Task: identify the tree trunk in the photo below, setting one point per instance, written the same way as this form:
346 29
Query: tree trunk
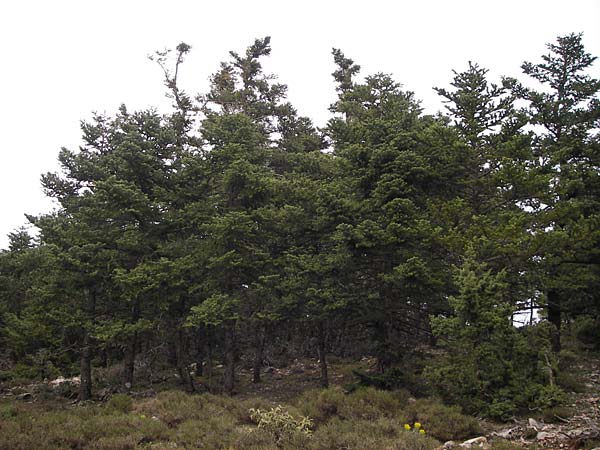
259 344
555 317
229 355
382 341
200 341
130 361
85 384
182 368
131 348
209 362
172 347
322 355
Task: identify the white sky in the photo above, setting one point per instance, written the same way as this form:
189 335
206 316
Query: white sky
61 60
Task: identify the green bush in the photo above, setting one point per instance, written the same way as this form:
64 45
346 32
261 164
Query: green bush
567 360
570 382
8 411
587 331
501 409
121 403
20 372
555 414
392 379
550 396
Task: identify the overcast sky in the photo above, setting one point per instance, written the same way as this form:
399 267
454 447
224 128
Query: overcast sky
61 60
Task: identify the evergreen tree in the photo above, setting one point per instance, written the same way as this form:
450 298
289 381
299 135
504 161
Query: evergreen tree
383 144
488 366
566 161
493 184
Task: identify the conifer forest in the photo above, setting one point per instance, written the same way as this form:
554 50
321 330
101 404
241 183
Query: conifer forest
436 261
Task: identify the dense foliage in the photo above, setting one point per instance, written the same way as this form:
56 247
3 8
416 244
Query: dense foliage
234 230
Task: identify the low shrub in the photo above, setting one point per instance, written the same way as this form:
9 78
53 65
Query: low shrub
243 408
570 382
363 403
371 403
501 409
393 379
587 331
550 396
442 422
556 414
120 402
20 372
173 407
210 432
281 424
8 411
321 404
567 360
382 433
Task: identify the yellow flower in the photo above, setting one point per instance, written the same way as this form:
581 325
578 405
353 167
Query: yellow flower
406 427
417 425
421 431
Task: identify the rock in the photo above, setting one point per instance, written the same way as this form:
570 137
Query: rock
535 424
24 396
62 380
578 432
543 435
448 445
505 434
478 442
57 381
103 394
414 400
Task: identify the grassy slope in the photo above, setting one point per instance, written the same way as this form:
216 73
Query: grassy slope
364 420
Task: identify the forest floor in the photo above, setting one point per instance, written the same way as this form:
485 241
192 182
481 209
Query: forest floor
33 417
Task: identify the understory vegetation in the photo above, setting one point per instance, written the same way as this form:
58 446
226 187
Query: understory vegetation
365 419
208 248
